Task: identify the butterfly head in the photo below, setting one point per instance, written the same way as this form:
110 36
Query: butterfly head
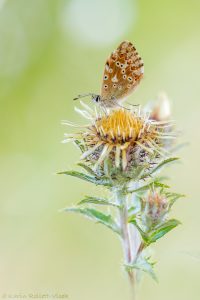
96 98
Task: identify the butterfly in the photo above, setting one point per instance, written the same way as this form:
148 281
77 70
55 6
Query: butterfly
123 71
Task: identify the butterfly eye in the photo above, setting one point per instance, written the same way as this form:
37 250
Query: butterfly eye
97 99
115 85
123 71
106 77
130 79
117 63
121 66
105 86
110 70
124 76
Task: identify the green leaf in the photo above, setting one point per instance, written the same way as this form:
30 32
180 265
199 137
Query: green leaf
162 230
96 216
87 169
97 200
143 234
155 234
160 165
137 172
108 166
173 197
79 145
85 177
144 265
160 184
143 188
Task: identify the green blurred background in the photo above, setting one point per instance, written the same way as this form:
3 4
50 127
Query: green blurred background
50 51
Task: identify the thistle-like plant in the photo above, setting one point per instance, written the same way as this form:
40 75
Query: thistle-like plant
124 151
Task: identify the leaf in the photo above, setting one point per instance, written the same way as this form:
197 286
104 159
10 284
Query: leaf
162 230
85 177
173 197
148 186
160 165
160 184
143 234
107 167
137 172
157 233
79 145
97 216
87 169
144 265
96 200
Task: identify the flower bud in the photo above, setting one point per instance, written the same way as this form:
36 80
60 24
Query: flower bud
155 208
161 111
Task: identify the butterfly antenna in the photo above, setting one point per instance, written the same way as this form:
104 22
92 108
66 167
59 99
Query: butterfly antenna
83 95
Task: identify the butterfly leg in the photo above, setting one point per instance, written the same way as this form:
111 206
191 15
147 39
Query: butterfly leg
133 104
105 109
123 106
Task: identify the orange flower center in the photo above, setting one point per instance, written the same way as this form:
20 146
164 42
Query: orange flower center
120 126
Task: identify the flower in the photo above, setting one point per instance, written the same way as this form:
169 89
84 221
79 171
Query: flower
123 150
126 138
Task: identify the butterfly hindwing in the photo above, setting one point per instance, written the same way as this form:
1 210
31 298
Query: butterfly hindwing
123 71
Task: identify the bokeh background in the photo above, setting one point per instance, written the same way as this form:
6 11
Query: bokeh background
50 51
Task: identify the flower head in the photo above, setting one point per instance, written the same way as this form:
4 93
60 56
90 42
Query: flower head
124 137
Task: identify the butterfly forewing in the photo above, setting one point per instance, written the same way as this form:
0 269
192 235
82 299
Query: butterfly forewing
123 71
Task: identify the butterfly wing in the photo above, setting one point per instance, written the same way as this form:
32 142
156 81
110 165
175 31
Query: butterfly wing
123 71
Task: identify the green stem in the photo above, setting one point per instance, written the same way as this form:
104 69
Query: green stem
126 240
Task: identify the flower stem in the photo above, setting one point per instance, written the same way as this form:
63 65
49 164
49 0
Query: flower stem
126 239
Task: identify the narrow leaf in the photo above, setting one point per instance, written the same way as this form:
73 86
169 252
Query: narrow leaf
97 216
144 265
160 184
91 179
96 200
148 186
160 165
79 145
173 197
133 221
163 229
87 169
